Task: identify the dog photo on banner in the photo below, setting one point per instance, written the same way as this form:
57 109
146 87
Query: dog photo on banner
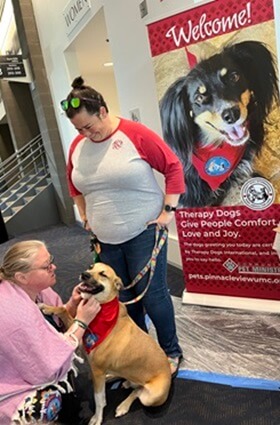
216 71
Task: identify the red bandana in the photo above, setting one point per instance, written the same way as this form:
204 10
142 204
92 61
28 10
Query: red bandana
215 164
101 325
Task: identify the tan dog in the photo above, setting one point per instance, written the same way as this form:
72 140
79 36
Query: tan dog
126 351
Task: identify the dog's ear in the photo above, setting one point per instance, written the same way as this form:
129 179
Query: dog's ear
258 66
177 122
118 283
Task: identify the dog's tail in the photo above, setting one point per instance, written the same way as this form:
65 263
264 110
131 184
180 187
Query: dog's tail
177 124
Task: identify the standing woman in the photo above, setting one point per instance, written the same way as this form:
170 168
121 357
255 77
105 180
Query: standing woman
111 179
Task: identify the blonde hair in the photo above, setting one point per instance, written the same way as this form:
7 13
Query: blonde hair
18 258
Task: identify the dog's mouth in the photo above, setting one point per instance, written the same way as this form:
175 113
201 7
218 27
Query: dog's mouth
90 285
235 135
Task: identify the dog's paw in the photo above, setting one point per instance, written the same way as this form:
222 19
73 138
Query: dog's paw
95 421
122 409
46 309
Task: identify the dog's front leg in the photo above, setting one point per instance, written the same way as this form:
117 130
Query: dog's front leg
99 396
59 311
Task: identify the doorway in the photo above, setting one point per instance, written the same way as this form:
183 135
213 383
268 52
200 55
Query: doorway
89 55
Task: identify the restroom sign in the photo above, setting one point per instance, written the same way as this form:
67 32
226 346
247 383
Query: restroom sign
74 12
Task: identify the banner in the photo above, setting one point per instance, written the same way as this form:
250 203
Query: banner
217 82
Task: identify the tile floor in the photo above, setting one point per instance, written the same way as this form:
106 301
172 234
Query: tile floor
229 341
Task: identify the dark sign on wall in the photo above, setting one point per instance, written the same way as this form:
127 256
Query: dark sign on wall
11 66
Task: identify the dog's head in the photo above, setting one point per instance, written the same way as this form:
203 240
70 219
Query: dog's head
222 99
219 95
101 282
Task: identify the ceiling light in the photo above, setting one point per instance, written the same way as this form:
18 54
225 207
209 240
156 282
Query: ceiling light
108 64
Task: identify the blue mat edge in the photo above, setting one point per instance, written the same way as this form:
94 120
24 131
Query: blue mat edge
233 381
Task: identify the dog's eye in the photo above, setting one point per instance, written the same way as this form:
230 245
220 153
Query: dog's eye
201 98
234 77
103 274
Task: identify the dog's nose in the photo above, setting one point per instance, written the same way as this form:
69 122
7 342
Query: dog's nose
85 275
231 115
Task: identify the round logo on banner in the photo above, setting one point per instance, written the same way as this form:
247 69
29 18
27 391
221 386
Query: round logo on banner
217 166
257 193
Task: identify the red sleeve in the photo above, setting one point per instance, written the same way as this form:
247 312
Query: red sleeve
73 191
158 154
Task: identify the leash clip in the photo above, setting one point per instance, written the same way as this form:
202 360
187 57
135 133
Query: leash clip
95 248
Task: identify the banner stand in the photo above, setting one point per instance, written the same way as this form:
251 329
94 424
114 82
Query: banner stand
211 91
222 301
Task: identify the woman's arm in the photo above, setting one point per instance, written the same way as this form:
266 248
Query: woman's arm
165 217
85 313
79 200
37 351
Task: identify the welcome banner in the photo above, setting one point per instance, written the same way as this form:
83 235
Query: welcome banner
217 81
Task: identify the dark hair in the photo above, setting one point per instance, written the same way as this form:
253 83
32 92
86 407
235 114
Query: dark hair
90 99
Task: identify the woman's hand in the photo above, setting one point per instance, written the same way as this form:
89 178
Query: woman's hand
86 225
87 310
74 300
164 219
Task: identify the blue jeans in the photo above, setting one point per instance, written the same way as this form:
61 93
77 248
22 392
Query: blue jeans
127 259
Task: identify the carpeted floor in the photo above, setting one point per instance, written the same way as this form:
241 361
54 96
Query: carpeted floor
190 402
200 403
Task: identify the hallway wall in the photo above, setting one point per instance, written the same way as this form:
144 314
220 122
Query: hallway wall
6 143
18 103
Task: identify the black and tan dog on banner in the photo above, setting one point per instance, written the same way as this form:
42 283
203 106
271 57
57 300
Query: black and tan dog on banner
214 117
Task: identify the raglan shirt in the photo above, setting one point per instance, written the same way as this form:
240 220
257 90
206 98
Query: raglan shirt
117 180
32 353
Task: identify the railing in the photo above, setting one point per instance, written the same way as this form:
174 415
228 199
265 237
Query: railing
27 161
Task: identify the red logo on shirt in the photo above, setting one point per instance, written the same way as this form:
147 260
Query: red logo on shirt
117 144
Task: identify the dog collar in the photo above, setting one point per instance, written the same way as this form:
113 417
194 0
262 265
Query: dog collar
215 165
101 325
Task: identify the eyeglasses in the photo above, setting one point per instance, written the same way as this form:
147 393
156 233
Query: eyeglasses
48 267
75 102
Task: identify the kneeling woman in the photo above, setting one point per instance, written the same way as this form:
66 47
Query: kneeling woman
35 357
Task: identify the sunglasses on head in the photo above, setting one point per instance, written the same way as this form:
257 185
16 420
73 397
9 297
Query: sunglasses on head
75 102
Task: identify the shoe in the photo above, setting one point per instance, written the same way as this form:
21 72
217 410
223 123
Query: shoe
174 365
